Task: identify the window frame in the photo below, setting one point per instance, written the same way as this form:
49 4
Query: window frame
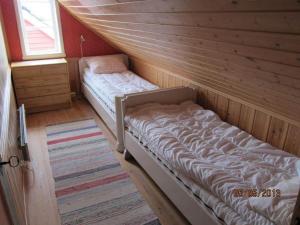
21 30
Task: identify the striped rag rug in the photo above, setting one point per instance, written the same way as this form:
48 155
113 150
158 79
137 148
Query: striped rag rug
90 185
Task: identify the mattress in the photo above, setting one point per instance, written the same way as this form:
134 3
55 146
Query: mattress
215 159
108 86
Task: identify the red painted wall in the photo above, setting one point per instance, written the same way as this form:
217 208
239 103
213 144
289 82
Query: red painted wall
71 30
11 29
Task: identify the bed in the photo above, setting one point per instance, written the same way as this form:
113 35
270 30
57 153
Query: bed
213 172
104 82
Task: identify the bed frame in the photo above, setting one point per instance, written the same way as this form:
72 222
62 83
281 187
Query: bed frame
185 201
191 207
109 118
296 214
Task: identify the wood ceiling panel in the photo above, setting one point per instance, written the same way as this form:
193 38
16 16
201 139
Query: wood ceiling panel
227 68
88 3
285 21
150 6
249 50
211 47
287 42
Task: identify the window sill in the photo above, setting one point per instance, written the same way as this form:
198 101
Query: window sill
51 56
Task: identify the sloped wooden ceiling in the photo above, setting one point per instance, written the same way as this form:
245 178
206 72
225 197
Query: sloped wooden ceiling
249 49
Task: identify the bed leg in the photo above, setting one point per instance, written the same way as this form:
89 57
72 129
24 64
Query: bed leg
127 155
120 147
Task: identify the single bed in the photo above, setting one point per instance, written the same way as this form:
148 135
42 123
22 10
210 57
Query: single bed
107 84
211 170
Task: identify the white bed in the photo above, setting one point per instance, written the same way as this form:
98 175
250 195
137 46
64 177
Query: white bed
105 90
190 152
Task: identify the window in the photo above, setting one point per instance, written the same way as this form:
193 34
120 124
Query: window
39 29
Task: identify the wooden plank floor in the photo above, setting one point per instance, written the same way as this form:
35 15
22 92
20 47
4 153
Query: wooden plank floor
40 197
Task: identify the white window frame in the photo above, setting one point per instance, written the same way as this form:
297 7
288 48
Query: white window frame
21 30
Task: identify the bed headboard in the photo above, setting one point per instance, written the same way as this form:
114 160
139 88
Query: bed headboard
174 95
83 63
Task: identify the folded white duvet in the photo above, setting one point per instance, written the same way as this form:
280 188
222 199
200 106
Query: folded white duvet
108 86
218 157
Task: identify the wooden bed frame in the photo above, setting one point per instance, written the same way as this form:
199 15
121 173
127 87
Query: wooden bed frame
109 118
296 214
185 201
191 207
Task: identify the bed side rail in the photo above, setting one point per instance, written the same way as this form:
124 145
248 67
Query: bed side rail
296 214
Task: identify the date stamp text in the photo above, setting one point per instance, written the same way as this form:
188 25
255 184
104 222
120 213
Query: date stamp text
253 192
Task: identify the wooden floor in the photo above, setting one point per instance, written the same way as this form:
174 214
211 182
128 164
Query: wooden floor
40 197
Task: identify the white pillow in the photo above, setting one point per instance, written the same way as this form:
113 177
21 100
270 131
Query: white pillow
278 208
107 64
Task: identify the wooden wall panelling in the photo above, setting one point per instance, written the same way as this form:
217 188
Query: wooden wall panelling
261 77
246 118
4 213
262 83
149 74
285 21
267 40
14 175
233 113
11 178
261 125
222 107
178 82
210 48
277 132
211 101
166 79
186 83
139 6
171 81
201 96
160 79
292 143
163 78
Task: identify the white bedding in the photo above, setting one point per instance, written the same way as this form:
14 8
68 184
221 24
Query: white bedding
108 86
210 154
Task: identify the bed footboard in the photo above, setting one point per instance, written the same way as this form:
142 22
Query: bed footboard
119 124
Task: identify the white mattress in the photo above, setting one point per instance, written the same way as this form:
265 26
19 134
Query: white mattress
108 86
213 158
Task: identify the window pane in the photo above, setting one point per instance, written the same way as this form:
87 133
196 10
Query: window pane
40 27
